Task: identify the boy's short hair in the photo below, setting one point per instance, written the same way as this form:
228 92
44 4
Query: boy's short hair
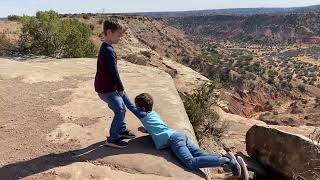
145 101
113 25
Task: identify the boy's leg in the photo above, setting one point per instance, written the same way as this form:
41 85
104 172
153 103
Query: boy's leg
178 144
116 104
196 151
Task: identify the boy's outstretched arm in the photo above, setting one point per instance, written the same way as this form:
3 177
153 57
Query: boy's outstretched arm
133 108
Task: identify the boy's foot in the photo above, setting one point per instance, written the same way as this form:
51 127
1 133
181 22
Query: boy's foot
127 134
233 164
243 168
118 143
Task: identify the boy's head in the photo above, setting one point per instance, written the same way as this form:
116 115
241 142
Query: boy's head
144 102
113 31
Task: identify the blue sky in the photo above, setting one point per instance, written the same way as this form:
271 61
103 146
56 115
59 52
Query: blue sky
75 6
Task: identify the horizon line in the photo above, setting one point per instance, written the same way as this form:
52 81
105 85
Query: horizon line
171 11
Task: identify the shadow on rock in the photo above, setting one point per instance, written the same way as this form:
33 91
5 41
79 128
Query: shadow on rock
91 153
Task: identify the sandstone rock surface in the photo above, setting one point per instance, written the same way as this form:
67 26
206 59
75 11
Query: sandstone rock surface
53 124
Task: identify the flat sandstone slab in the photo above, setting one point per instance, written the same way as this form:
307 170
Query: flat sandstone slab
66 139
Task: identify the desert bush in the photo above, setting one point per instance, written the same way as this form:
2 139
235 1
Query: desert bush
4 41
136 59
289 77
246 58
254 68
251 86
199 106
315 136
100 21
269 104
304 101
153 47
91 26
272 73
146 53
46 34
265 117
85 16
285 85
13 18
5 44
302 88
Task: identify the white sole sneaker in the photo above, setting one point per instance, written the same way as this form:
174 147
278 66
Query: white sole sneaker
232 156
244 169
117 144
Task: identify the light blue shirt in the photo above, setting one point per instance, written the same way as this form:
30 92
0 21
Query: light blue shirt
153 123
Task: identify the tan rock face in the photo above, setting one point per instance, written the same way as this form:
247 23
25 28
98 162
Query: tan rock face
83 170
293 156
51 119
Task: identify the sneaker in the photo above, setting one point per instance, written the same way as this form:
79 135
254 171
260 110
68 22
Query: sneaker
233 164
127 134
243 167
118 143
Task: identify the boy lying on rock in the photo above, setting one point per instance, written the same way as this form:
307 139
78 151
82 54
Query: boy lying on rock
164 137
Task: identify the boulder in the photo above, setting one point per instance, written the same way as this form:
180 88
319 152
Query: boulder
290 155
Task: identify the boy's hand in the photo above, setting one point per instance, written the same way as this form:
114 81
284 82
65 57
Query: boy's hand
142 129
121 93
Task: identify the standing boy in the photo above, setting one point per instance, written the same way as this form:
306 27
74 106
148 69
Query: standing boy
108 84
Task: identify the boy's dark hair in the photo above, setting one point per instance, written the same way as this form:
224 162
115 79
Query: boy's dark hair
145 101
112 25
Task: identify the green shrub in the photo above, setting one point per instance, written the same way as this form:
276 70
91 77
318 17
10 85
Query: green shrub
46 34
269 104
5 44
199 106
136 59
272 73
13 18
3 41
85 16
302 87
91 26
247 58
146 53
254 68
100 21
153 47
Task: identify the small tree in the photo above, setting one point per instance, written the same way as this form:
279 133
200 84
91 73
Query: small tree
85 16
199 109
46 34
13 18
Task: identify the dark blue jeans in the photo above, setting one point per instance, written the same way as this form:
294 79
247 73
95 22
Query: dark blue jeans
116 104
191 155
